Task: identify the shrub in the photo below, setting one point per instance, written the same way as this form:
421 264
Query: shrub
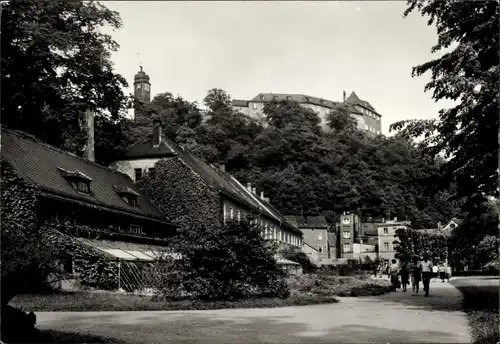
26 258
299 257
230 262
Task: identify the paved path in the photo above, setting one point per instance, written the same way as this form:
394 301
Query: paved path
392 318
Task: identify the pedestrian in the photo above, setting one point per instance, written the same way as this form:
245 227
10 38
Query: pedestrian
416 275
404 272
442 272
448 273
394 273
427 269
434 273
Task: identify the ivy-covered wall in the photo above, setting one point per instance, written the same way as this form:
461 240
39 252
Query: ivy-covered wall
19 230
182 195
92 267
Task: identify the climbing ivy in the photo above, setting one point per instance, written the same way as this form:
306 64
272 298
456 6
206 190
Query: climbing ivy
182 195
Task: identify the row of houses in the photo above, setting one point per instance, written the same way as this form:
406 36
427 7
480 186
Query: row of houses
108 199
351 238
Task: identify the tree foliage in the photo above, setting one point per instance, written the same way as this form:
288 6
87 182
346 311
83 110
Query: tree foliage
229 262
55 63
466 133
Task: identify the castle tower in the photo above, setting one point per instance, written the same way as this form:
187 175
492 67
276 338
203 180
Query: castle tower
142 86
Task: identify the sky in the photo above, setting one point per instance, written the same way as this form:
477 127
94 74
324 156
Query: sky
314 48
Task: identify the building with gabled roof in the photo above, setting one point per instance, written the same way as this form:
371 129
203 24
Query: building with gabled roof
367 118
201 194
128 226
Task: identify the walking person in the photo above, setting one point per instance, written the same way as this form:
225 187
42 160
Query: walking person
448 273
416 275
405 272
427 269
394 273
434 273
442 271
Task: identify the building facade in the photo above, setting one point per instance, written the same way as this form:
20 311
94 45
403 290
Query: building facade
315 233
387 240
367 118
186 177
120 223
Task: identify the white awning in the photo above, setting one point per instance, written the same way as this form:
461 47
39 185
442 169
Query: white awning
118 253
140 255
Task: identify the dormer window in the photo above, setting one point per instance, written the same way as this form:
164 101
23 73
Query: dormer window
261 97
128 195
78 180
275 98
289 98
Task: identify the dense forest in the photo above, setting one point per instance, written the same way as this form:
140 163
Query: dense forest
301 168
54 69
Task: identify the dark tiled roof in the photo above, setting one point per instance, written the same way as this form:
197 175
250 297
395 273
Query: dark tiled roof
227 185
146 150
240 103
299 98
355 100
307 221
41 163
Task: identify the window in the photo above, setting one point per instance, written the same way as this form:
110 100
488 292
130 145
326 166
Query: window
347 247
386 246
68 265
138 174
346 234
320 236
386 230
261 97
136 229
346 221
130 199
366 126
254 106
231 213
146 87
308 99
81 186
320 248
288 98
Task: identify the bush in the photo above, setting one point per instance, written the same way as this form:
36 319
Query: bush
26 258
299 257
226 263
328 285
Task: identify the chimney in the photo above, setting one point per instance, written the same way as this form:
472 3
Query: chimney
222 167
254 190
383 220
89 122
395 219
156 133
249 187
266 199
262 195
343 94
439 225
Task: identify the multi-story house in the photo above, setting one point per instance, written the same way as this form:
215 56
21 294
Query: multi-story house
196 186
315 233
348 232
367 118
387 240
128 228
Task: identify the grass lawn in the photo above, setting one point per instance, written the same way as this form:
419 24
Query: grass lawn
481 304
305 290
88 302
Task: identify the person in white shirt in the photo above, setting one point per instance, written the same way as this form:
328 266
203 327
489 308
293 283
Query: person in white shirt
448 272
434 273
426 274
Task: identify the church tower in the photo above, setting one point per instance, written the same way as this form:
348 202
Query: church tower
142 87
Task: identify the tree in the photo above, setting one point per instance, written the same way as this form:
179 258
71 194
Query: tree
229 262
55 62
466 133
340 119
218 100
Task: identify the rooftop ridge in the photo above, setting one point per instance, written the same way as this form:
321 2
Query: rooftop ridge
54 148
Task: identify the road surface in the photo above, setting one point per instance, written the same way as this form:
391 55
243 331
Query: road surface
393 318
